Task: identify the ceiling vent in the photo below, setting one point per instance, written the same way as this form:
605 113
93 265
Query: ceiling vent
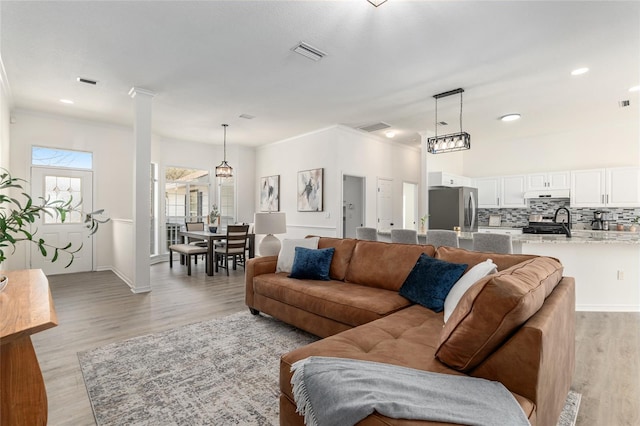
87 81
624 103
308 51
375 127
247 116
442 123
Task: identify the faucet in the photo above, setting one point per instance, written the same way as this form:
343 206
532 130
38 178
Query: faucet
565 227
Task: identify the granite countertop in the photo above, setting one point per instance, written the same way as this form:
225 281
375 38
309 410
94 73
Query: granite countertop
578 237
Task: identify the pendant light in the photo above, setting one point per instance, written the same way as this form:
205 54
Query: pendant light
224 169
453 142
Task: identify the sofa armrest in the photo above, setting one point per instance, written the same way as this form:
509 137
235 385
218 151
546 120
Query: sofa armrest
538 361
257 266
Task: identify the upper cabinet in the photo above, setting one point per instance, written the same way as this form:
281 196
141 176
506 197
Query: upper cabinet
447 179
513 188
501 191
552 180
615 187
488 191
623 187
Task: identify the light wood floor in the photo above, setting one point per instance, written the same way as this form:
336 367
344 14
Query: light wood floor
97 308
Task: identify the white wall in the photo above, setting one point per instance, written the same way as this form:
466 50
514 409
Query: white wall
596 145
113 170
4 118
339 150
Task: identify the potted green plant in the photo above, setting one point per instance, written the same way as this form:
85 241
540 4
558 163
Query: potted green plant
423 222
634 224
214 218
18 214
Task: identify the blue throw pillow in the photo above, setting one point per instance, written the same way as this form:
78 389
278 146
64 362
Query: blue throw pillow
430 281
312 264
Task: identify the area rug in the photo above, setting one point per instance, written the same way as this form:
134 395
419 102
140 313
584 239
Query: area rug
219 372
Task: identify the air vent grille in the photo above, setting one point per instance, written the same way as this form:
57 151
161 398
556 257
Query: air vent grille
374 127
309 51
87 81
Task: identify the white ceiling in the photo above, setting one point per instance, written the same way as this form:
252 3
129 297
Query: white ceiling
211 61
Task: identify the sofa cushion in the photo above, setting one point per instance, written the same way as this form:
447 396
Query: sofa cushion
341 257
384 265
493 309
346 303
470 277
472 258
430 280
287 251
312 264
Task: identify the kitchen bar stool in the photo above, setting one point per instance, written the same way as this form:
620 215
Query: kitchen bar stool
442 237
364 233
404 236
495 243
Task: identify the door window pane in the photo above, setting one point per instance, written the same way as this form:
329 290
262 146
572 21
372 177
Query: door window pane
41 156
64 188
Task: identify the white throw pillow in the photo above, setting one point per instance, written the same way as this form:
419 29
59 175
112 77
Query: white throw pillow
461 286
288 251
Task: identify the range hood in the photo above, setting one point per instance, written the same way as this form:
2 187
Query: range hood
548 193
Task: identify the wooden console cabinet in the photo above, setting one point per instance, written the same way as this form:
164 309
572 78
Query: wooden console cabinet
26 308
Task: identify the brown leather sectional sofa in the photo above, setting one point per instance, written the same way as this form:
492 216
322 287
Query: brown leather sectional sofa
515 327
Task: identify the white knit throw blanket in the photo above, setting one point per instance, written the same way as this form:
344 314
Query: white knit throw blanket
338 391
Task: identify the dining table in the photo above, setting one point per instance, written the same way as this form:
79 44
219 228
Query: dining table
211 238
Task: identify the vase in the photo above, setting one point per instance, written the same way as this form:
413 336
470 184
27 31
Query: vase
4 280
632 228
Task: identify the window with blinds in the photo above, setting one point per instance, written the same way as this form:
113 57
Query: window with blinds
227 200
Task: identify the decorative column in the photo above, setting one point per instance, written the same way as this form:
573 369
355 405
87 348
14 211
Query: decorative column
141 197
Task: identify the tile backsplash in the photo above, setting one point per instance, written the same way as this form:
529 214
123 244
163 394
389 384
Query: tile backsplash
580 217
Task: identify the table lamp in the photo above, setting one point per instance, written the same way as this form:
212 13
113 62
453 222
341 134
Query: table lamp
269 224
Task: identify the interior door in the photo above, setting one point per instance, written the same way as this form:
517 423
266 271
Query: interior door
353 202
385 204
60 184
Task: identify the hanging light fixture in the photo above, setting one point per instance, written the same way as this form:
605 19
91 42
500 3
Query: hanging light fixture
224 169
451 142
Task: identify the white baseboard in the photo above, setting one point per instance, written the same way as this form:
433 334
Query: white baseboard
608 308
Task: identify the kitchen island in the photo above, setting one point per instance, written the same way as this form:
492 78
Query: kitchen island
605 264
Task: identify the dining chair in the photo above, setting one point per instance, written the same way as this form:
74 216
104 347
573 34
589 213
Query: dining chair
495 243
364 233
195 226
235 248
404 236
186 251
442 237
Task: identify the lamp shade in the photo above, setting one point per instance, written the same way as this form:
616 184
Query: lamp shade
270 223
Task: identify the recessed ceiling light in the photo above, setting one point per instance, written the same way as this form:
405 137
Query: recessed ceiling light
510 117
66 101
635 89
580 71
390 134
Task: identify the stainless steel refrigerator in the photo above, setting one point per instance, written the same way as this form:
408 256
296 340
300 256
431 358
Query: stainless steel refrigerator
450 207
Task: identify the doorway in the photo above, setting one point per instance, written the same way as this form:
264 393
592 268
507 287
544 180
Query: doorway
409 205
385 204
61 184
353 202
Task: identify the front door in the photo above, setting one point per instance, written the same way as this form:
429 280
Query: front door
60 184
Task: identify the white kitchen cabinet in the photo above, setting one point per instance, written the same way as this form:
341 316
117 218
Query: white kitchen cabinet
513 191
501 191
548 180
488 191
614 187
623 187
447 179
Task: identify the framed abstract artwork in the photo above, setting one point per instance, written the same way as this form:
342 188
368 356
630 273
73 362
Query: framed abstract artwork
270 194
310 185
